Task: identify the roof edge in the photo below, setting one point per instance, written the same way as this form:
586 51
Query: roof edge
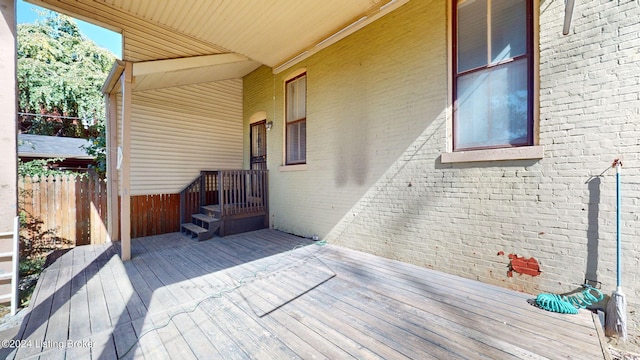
113 77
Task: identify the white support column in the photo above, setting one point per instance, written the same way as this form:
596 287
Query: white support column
125 206
15 271
111 134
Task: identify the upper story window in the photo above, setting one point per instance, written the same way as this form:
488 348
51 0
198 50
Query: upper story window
296 117
492 74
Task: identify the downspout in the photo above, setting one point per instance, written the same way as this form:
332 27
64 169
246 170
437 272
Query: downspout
568 14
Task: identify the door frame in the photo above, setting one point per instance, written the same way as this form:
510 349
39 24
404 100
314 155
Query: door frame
263 144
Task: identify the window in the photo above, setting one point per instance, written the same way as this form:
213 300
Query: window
492 74
296 129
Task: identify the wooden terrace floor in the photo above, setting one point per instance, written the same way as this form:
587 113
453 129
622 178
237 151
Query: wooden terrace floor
254 296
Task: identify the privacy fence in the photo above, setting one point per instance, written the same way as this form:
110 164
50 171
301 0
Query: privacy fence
64 208
74 210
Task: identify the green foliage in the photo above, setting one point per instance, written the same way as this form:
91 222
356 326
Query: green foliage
30 269
60 71
41 167
44 168
31 266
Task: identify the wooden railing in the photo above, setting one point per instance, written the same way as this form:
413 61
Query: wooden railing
243 192
192 197
238 192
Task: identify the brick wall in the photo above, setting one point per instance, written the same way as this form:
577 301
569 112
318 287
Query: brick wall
377 126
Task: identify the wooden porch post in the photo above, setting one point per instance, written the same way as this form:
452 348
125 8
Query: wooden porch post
125 209
111 129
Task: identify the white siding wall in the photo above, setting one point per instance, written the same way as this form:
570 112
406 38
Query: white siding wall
176 132
377 126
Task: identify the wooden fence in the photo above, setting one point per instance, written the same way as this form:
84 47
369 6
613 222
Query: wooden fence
154 214
65 207
74 210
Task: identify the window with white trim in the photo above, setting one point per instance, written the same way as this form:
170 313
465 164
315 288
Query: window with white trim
492 74
296 118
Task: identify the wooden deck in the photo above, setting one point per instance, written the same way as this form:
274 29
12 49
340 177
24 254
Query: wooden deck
253 295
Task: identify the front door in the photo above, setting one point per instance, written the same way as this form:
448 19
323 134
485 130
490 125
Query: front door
258 133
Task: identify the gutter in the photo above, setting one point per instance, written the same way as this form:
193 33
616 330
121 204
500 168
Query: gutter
48 156
113 78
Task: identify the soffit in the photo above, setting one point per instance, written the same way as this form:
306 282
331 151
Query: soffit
192 70
269 32
149 75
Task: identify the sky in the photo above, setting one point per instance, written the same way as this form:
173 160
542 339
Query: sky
110 40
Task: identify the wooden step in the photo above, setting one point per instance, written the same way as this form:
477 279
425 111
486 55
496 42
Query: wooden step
4 255
204 219
211 210
201 231
194 231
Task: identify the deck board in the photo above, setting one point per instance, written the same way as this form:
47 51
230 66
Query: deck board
79 321
268 295
516 321
449 312
98 309
172 339
40 311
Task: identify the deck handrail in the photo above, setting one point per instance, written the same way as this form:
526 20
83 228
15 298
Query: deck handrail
192 196
243 192
238 192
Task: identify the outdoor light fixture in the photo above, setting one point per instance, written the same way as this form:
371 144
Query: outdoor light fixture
269 125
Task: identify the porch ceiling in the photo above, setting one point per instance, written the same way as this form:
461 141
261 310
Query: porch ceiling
270 32
176 72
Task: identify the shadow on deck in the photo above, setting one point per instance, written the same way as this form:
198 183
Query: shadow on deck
265 294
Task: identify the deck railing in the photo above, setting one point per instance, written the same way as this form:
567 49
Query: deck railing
238 192
203 190
243 192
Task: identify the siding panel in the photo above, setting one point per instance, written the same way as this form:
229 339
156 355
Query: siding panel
176 132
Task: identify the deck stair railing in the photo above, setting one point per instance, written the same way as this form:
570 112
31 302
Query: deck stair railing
216 197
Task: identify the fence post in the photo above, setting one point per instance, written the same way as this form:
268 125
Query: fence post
182 205
221 194
203 189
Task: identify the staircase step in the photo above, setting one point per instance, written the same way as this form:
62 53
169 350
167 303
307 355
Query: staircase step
211 210
194 231
194 228
204 218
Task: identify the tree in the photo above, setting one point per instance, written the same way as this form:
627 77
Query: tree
60 75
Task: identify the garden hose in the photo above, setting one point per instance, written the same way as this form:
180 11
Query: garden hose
569 304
